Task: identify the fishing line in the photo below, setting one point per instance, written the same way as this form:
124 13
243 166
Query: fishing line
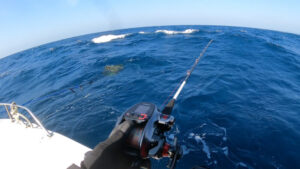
81 86
182 83
61 92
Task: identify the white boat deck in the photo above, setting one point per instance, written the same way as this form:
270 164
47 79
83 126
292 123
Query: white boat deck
22 148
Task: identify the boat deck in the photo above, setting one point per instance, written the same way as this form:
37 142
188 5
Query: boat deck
22 147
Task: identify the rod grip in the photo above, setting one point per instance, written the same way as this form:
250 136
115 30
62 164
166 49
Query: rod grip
169 107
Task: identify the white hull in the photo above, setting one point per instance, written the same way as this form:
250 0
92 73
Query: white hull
22 148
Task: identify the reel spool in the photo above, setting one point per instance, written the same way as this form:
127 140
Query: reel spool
147 139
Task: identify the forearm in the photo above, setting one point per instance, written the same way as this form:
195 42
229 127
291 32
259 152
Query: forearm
110 153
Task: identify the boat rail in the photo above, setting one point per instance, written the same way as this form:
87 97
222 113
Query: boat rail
14 115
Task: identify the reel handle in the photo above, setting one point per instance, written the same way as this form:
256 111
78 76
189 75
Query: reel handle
176 155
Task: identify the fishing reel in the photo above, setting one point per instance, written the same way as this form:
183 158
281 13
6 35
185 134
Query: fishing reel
147 139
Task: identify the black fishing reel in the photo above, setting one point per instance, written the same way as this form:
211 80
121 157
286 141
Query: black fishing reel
147 139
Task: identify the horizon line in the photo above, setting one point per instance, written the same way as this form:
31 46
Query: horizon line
119 29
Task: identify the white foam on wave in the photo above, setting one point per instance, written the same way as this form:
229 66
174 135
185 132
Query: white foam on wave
166 32
185 150
4 74
142 32
171 136
225 150
170 32
191 135
224 130
205 146
86 96
241 164
108 38
190 31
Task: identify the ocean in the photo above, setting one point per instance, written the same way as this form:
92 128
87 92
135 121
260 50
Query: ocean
239 109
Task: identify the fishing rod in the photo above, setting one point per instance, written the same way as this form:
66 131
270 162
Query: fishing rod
168 109
147 139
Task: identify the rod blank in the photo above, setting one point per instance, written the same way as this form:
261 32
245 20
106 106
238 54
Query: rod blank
170 105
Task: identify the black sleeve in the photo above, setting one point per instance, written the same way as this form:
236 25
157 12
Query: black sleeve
110 153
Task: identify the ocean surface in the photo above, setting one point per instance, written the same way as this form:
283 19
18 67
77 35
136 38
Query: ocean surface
239 109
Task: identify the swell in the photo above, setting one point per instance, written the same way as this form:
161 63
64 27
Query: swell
241 99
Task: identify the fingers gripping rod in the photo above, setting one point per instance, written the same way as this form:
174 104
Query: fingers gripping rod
170 105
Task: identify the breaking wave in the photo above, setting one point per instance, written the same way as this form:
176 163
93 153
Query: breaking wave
108 38
170 32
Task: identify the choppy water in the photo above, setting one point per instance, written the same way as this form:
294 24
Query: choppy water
240 108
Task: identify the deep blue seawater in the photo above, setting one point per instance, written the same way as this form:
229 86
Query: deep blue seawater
239 109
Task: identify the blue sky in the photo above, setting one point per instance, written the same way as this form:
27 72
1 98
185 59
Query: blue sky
29 23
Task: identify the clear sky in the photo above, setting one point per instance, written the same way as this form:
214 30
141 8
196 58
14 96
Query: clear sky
29 23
